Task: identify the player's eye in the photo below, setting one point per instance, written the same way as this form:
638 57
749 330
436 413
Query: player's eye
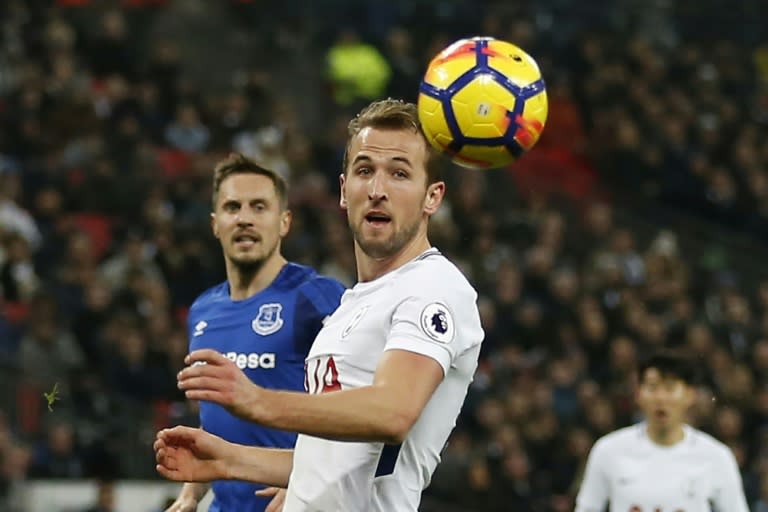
364 171
231 206
401 174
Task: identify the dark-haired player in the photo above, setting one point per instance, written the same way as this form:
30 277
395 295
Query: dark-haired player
662 464
264 317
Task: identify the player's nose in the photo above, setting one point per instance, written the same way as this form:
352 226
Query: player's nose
244 217
376 190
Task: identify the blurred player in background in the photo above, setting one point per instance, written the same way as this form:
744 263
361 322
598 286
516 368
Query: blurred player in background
390 369
662 464
262 319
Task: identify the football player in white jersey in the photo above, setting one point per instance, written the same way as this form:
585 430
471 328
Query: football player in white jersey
387 374
662 464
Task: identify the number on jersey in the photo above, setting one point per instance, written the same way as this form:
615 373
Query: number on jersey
321 376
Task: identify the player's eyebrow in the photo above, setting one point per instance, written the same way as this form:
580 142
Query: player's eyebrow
247 200
366 158
362 158
403 160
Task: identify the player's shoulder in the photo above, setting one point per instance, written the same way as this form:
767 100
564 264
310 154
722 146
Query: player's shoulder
433 271
619 439
704 442
312 283
213 295
322 291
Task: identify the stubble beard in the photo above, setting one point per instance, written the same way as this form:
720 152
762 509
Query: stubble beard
384 248
248 268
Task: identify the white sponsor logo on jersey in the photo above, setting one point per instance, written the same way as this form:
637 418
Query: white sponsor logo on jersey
253 360
199 328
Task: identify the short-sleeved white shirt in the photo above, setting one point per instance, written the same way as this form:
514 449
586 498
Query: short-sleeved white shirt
428 307
633 474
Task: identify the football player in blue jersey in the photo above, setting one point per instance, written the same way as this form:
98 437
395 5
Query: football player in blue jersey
264 317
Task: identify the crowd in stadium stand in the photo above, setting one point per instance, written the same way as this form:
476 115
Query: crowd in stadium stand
112 120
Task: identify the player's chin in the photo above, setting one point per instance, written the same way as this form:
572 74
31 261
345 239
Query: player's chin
380 236
377 248
246 258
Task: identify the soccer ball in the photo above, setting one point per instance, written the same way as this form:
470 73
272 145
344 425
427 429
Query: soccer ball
482 102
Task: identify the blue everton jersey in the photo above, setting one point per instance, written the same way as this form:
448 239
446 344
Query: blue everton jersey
268 337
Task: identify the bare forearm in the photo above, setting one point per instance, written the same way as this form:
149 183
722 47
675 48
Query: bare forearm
195 490
267 466
364 414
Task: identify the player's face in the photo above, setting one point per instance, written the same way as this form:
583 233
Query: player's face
664 400
248 220
385 191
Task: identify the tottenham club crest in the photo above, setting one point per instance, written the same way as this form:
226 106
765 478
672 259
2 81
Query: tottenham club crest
437 322
355 320
268 320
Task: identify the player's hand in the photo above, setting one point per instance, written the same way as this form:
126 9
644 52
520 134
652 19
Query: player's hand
278 500
219 380
187 454
183 504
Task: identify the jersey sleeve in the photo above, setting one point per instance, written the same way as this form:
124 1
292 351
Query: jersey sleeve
594 492
441 326
316 300
197 312
729 490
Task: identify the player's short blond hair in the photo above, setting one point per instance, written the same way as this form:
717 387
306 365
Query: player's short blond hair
237 163
392 114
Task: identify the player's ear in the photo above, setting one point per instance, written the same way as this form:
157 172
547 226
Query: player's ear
343 196
285 222
690 395
434 197
214 227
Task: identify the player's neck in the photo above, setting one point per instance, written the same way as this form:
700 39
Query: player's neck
666 436
244 284
369 268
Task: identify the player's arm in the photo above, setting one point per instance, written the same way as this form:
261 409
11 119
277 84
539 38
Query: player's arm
384 411
729 493
189 497
594 492
187 454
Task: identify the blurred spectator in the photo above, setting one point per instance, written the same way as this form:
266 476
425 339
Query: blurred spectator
58 456
110 50
18 280
406 69
14 218
187 132
357 71
13 466
131 375
48 352
105 497
135 255
761 505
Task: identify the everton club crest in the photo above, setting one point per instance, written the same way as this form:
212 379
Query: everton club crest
268 320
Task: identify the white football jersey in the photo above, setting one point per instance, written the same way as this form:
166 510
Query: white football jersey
427 307
634 474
